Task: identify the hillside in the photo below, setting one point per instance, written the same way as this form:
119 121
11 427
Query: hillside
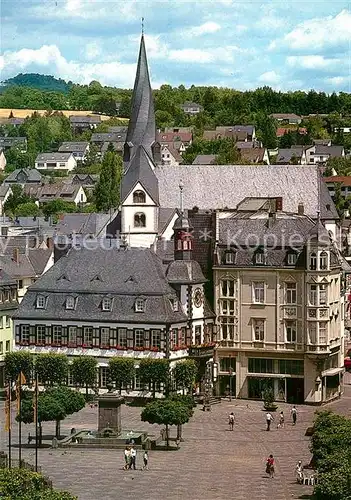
40 82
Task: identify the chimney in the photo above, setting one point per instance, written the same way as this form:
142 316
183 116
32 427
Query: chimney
16 255
271 219
300 209
279 204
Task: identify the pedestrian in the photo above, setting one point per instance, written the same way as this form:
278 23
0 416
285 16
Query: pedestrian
126 458
294 414
269 420
146 460
299 472
231 421
270 466
133 454
281 420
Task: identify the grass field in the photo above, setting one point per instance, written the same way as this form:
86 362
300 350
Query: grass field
23 113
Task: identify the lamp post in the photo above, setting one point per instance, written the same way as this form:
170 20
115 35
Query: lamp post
230 377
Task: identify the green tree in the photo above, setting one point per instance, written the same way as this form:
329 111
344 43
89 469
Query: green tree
15 199
228 153
55 207
28 209
185 374
121 371
22 484
108 187
154 371
83 370
166 412
17 362
266 131
52 368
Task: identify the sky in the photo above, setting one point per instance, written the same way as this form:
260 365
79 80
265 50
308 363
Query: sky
285 44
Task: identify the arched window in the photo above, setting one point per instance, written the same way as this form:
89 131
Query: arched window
313 261
139 197
139 220
323 261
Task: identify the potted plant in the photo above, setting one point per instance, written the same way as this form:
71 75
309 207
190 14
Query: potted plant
268 400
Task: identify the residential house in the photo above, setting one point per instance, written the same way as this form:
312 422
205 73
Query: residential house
118 129
278 281
241 133
291 156
24 176
55 161
283 130
255 155
81 123
14 122
287 118
179 141
73 193
344 181
118 147
8 304
321 154
248 144
107 302
99 139
322 142
2 160
191 108
78 149
86 180
11 142
5 192
179 129
205 160
170 156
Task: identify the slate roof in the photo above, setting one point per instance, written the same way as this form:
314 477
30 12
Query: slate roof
142 125
285 155
254 155
73 147
224 186
39 258
81 223
169 137
3 190
10 141
123 275
332 151
205 160
164 218
245 144
140 170
31 174
76 119
285 116
108 137
51 191
117 146
22 269
5 279
118 129
186 272
53 156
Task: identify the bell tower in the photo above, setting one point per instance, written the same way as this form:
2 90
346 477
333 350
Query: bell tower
183 238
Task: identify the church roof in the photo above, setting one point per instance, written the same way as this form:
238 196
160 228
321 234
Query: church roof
225 186
140 169
142 126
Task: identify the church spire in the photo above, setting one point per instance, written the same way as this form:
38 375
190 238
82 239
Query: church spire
142 126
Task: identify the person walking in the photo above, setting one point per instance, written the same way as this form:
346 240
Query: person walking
126 458
281 421
293 412
231 421
270 466
146 460
269 420
133 454
299 472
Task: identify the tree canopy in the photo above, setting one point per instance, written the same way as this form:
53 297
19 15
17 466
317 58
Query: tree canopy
185 374
83 371
154 371
17 362
121 371
108 187
52 368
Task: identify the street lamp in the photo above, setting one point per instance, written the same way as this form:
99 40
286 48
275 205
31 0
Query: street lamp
230 377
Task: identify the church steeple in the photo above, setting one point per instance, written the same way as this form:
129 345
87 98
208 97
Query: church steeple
142 125
183 239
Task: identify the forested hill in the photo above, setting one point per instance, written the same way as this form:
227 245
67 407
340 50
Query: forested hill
40 82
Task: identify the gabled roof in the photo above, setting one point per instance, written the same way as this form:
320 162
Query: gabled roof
189 104
169 137
224 186
85 119
205 160
285 155
4 188
140 169
31 174
73 147
5 279
345 180
108 137
255 155
332 151
142 125
53 156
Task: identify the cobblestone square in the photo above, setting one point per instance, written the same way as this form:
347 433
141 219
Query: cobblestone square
212 463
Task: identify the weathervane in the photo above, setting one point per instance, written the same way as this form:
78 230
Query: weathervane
181 187
142 26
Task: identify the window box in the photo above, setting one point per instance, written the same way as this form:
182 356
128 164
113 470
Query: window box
40 342
122 348
24 342
138 348
72 344
104 346
154 349
55 344
87 345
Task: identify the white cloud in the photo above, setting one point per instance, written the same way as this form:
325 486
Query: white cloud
321 32
50 60
269 77
240 28
209 27
311 62
338 81
155 47
270 22
92 50
191 56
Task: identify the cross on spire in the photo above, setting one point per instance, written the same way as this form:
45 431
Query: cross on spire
181 187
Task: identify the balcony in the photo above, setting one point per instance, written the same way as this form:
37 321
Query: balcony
290 312
202 351
317 349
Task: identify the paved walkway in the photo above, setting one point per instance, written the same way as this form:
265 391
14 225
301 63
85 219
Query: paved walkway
212 463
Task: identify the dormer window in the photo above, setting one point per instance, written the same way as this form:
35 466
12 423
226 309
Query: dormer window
106 304
139 220
175 305
229 257
139 197
70 302
260 258
292 258
139 305
41 302
323 261
313 261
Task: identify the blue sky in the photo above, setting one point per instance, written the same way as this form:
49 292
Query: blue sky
285 44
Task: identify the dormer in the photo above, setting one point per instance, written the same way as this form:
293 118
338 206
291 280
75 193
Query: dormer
229 257
139 305
41 301
260 257
291 258
175 305
71 302
106 304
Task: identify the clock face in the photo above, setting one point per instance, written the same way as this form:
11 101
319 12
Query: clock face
198 297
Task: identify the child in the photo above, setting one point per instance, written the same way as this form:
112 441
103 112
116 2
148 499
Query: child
270 466
126 458
231 421
281 420
146 459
